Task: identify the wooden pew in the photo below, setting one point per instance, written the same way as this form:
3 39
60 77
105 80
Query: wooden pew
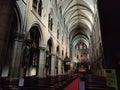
36 83
94 82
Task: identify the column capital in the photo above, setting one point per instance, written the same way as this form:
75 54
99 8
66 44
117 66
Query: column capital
19 36
53 54
59 58
42 48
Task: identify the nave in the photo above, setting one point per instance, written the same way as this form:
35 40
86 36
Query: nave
45 43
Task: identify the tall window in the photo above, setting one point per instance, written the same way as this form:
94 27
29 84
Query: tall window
37 5
81 46
64 21
60 11
57 33
40 7
85 47
62 53
62 37
50 22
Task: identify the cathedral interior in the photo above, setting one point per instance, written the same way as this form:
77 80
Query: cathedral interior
51 43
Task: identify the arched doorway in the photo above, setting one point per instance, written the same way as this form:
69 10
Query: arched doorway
31 53
48 57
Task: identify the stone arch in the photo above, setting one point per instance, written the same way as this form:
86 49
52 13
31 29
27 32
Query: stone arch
31 57
51 19
49 53
41 38
50 45
15 38
19 17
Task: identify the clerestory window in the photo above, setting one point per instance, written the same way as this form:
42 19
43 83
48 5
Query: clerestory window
37 6
50 22
34 5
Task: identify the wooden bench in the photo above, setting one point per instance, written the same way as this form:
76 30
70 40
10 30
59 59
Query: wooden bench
36 83
94 82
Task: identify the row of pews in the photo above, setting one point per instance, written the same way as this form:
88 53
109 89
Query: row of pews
36 83
94 82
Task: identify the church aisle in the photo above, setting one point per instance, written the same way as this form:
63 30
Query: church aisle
73 85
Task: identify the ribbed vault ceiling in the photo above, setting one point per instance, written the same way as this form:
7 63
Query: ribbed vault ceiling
79 17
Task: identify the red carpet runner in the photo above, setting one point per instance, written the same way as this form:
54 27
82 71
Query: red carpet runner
74 85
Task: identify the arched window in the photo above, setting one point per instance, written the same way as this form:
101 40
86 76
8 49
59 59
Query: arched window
85 47
50 20
62 37
49 57
62 52
64 21
80 46
57 33
51 23
40 7
58 50
37 6
60 11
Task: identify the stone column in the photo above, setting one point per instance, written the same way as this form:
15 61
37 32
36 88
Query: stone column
53 58
59 67
6 13
15 65
42 59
